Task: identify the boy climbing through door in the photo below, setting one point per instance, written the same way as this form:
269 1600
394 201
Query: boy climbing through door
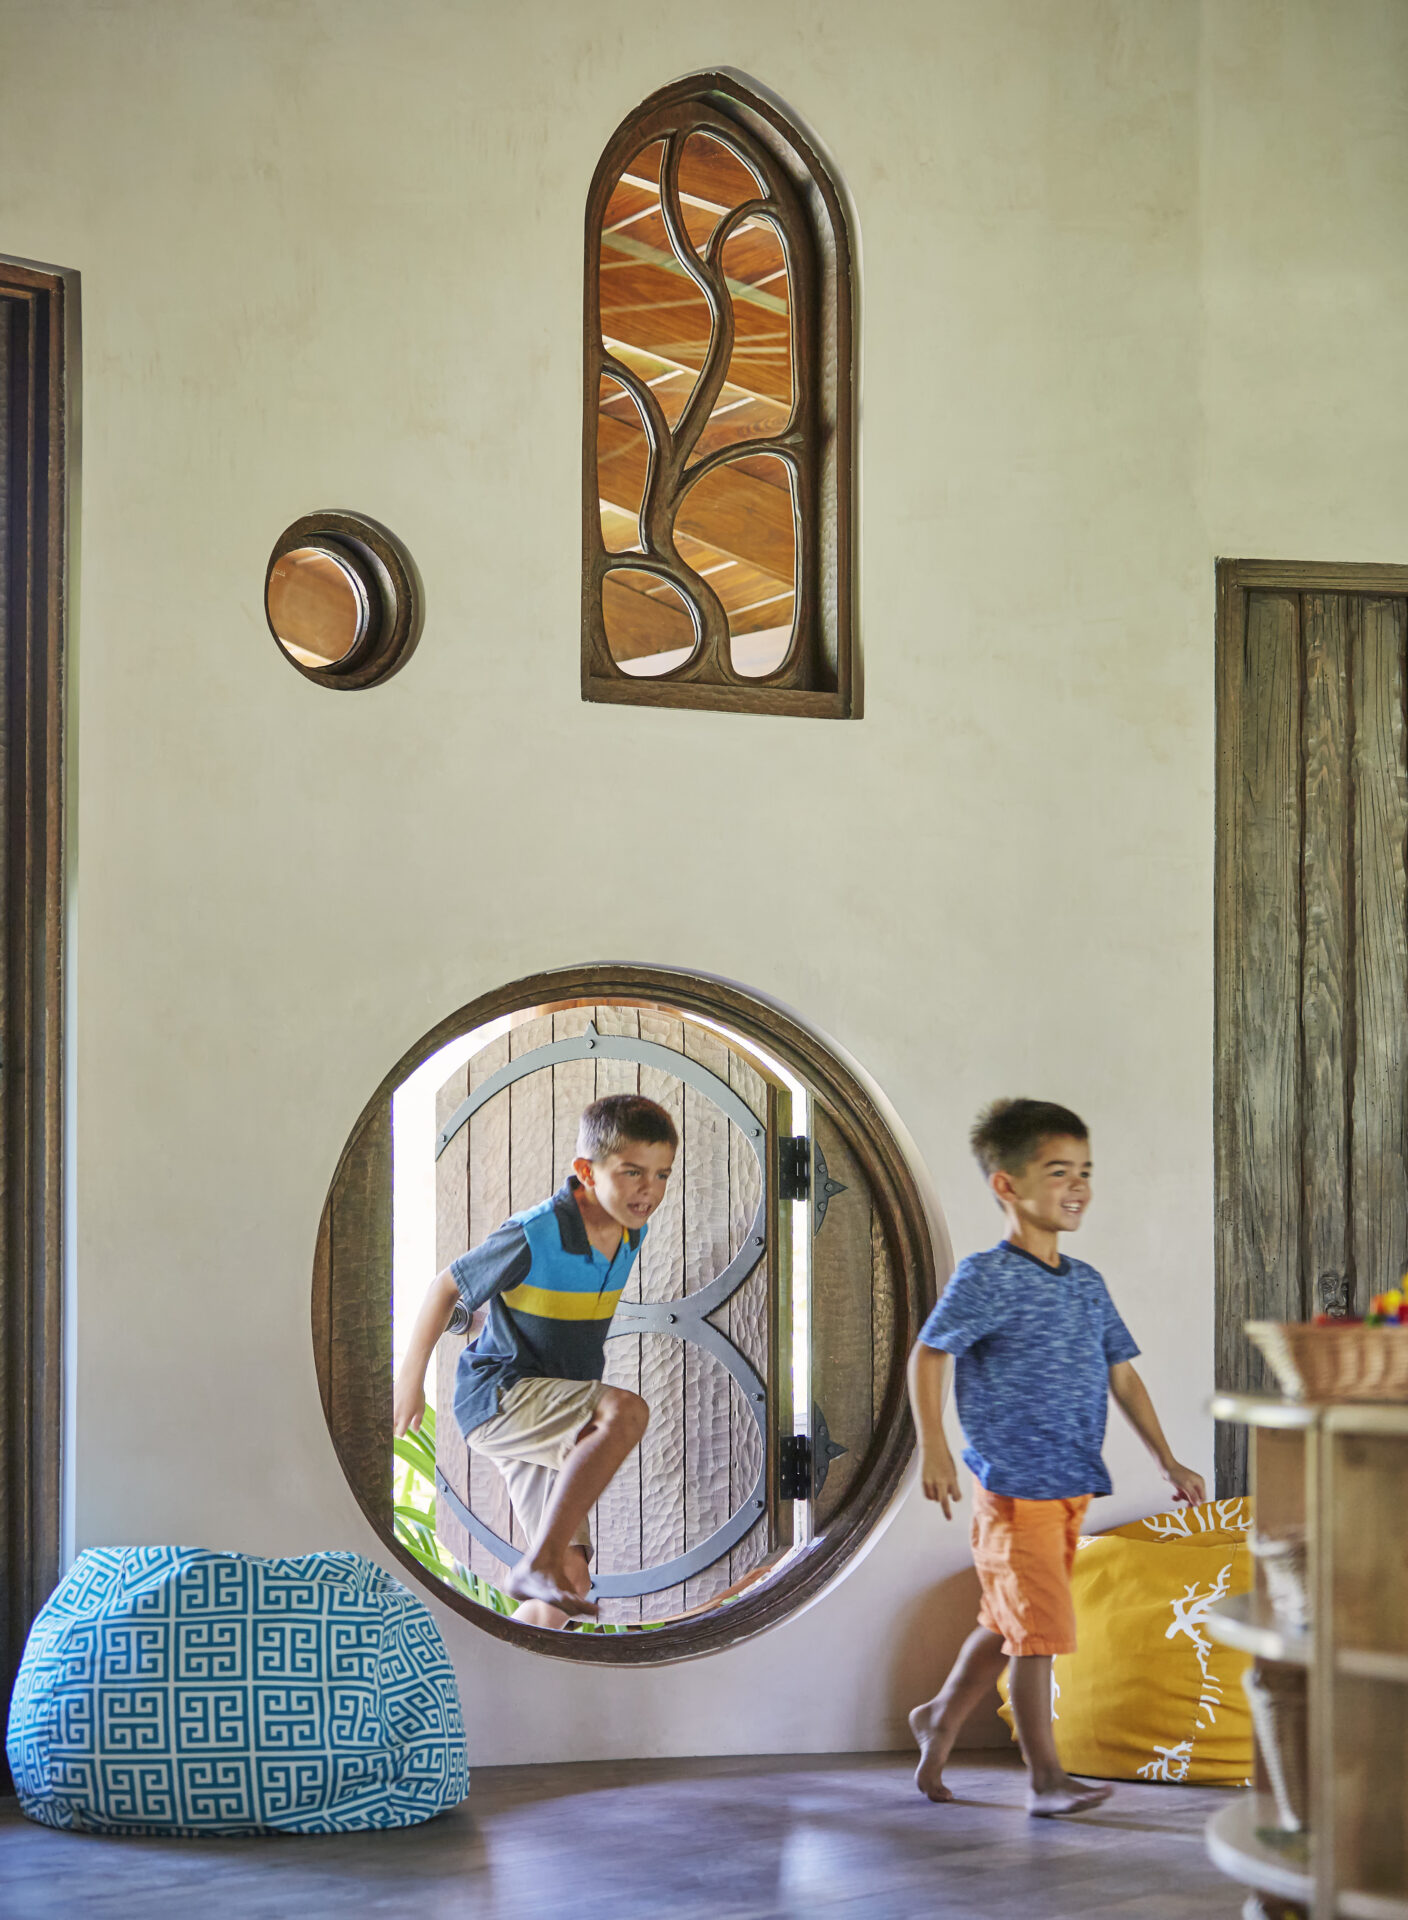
1035 1347
529 1395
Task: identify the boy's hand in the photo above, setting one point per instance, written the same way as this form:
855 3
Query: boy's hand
940 1478
407 1407
1186 1484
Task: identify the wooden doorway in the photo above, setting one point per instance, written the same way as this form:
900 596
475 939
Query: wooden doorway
784 1485
1311 1088
38 375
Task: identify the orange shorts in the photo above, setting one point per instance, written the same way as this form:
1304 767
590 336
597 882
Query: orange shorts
1024 1551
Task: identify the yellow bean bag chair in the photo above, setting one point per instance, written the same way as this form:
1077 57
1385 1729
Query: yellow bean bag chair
1149 1695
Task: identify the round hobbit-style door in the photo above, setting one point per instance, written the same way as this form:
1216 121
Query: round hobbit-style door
765 1323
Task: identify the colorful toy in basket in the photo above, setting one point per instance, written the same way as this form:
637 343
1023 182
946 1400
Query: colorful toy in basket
1385 1310
1388 1309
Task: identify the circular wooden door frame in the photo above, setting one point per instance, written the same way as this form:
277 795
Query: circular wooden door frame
904 1217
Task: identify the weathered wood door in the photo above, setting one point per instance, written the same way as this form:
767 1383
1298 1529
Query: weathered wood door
1312 951
702 1461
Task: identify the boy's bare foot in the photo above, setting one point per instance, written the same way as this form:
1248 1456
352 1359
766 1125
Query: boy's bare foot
1066 1795
933 1752
528 1582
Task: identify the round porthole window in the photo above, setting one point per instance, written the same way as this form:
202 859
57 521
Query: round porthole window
342 599
765 1323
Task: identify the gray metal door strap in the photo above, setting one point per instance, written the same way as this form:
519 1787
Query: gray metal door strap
624 1586
592 1045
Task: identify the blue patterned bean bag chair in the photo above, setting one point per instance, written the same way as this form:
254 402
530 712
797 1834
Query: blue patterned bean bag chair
169 1690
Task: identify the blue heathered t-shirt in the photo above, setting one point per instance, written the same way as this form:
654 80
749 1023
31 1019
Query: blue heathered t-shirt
1033 1346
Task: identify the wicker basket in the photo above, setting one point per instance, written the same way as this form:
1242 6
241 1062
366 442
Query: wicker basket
1336 1362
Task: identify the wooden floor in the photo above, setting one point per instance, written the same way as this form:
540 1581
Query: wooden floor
840 1837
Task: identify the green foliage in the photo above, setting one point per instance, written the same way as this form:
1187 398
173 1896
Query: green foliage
413 1498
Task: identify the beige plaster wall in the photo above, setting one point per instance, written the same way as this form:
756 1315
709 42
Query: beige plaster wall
1133 297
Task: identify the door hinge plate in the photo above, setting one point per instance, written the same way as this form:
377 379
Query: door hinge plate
794 1472
794 1167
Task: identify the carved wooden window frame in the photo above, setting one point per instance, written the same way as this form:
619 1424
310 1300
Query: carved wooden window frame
818 677
352 1340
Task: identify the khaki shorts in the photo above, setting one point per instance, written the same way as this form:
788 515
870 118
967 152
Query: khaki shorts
528 1439
1024 1551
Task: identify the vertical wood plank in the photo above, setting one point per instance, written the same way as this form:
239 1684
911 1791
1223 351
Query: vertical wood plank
530 1120
786 1520
1380 1203
747 1313
706 1384
617 1521
359 1297
451 1240
1327 888
530 1140
662 1263
1229 1438
842 1339
885 1373
1263 1281
573 1088
489 1206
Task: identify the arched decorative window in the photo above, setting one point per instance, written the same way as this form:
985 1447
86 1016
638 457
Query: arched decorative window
718 442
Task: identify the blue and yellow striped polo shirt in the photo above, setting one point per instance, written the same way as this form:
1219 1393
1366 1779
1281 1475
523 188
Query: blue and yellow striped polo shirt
551 1296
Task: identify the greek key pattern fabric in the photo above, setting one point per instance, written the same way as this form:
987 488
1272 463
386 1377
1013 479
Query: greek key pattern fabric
171 1690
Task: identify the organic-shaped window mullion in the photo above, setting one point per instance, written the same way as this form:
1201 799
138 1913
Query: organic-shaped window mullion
716 250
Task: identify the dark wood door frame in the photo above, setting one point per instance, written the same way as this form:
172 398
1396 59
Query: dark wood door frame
1268 1035
38 465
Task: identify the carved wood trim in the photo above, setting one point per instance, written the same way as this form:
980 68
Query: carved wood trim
818 676
351 1302
38 451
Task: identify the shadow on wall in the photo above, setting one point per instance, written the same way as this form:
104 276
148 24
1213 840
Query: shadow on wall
927 1638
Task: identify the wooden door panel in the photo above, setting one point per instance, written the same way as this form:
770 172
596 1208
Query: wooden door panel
1327 943
661 1270
1312 988
702 1454
852 1311
746 1316
1266 1284
616 1523
1380 1214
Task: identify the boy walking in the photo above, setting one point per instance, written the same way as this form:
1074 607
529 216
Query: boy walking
1035 1346
541 1291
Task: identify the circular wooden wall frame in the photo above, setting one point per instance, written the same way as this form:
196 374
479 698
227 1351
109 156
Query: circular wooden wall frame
352 1302
390 580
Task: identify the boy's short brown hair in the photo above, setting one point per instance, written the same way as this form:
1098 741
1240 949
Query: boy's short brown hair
608 1124
1008 1133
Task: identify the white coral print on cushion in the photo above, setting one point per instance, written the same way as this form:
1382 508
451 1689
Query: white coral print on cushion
1216 1516
1190 1617
1170 1763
